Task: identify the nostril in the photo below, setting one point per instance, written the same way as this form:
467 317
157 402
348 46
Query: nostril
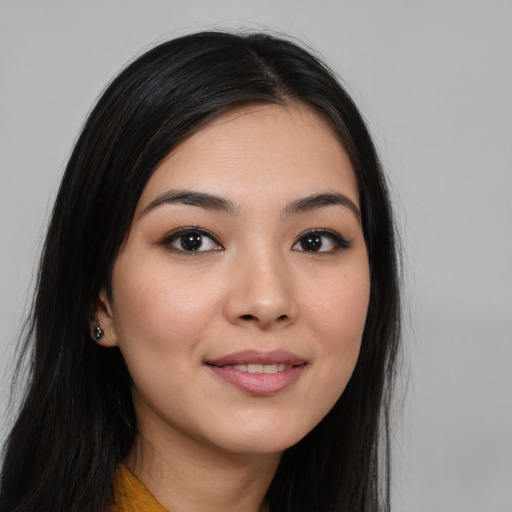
252 317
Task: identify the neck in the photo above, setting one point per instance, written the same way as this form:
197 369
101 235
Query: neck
183 474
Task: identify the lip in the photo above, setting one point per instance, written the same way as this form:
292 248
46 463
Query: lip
257 357
260 384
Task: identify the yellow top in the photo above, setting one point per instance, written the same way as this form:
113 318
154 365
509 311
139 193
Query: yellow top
131 495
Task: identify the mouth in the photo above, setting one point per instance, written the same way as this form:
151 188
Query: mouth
259 373
256 358
260 368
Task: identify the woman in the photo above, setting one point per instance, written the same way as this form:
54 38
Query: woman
217 314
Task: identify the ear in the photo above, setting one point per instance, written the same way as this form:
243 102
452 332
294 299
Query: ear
104 319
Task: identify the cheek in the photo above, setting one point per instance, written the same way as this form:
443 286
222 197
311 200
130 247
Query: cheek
339 308
339 314
157 309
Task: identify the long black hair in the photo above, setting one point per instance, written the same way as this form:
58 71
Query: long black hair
76 422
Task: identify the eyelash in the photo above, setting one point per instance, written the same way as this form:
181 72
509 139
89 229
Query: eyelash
338 241
175 235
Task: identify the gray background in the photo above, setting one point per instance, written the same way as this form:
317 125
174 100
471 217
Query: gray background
434 80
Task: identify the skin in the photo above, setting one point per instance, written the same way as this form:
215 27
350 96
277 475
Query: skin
205 444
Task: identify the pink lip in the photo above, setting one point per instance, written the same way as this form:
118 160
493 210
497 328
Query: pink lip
256 357
260 384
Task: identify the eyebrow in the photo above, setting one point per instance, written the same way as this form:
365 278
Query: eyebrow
316 201
213 202
188 197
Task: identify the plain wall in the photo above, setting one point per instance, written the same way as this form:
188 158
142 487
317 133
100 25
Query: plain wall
434 80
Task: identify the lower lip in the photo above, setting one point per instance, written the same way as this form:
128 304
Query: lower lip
259 383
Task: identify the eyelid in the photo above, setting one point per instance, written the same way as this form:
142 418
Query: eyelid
339 240
175 233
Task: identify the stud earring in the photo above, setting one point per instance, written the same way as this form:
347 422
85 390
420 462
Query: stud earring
97 332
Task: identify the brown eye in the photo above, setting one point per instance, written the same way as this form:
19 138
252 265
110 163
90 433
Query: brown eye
320 240
191 240
311 243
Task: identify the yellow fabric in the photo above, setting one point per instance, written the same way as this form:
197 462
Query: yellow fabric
131 495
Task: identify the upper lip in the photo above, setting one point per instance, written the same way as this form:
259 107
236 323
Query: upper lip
257 357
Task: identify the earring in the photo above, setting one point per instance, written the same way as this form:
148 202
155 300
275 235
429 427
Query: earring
97 332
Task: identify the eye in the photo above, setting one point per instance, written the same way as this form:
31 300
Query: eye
320 240
190 239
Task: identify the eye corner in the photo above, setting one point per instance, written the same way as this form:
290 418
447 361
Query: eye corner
191 241
320 241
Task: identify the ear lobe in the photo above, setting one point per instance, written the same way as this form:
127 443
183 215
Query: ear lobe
104 320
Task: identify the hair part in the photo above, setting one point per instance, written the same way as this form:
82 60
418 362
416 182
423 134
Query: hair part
76 422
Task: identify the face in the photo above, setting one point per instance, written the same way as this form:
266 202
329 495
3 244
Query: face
240 295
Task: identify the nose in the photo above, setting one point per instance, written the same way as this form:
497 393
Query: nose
261 292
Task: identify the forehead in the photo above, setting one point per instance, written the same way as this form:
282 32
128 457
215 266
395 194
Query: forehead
266 150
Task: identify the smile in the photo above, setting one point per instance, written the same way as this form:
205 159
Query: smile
260 368
259 373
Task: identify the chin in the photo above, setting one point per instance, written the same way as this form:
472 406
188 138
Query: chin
266 440
260 445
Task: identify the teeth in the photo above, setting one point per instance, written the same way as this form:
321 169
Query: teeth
270 368
260 368
255 368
